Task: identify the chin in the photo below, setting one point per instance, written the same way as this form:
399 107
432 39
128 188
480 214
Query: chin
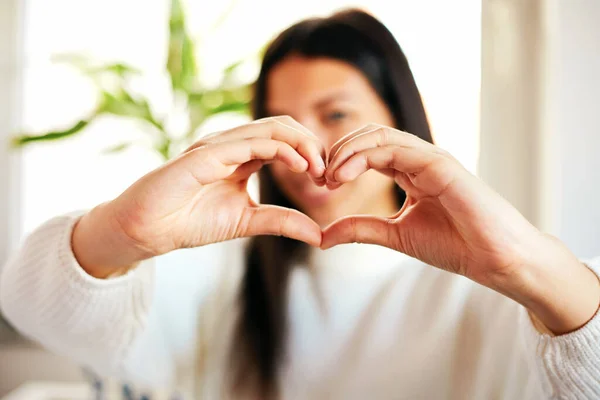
327 213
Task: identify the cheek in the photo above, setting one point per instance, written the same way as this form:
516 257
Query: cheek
280 173
285 179
373 184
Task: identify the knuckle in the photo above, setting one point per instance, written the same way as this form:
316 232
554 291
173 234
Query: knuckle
196 145
281 119
274 123
383 136
283 222
268 121
446 154
286 118
242 226
355 232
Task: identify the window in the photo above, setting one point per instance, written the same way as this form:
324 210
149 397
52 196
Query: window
441 40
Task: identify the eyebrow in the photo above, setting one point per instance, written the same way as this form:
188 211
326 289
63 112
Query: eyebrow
330 98
336 96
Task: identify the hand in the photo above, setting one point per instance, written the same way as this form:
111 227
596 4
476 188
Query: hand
453 221
201 198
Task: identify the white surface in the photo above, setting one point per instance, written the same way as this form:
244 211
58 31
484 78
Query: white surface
21 362
50 391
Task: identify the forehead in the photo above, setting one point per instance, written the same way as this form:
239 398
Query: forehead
298 81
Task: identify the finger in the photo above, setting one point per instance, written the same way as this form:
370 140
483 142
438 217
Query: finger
280 221
288 120
317 167
340 142
283 129
337 145
205 139
428 171
378 137
296 135
359 229
213 162
244 171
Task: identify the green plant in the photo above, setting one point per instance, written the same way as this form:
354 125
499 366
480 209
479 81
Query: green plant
117 99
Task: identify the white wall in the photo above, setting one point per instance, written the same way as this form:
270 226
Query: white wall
573 119
509 99
540 117
10 39
19 360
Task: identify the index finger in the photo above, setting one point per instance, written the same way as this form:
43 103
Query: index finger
283 129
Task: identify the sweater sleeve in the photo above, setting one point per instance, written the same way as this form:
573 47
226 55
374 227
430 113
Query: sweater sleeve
568 366
48 297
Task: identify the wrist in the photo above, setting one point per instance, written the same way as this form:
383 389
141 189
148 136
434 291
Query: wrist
101 248
558 290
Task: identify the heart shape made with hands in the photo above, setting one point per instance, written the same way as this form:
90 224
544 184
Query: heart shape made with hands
421 169
450 218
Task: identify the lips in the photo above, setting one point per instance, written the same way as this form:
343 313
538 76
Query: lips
315 195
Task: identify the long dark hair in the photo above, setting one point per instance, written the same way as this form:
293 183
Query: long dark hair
359 39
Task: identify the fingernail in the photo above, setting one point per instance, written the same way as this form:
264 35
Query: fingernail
333 185
320 170
325 245
320 181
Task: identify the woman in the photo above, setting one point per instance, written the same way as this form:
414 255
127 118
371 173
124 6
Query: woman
274 316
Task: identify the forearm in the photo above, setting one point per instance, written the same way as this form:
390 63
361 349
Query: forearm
567 366
568 307
558 290
100 246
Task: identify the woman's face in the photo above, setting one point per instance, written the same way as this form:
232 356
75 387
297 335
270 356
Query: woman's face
331 98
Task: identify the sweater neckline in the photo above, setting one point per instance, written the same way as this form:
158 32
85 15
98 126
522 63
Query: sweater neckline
355 258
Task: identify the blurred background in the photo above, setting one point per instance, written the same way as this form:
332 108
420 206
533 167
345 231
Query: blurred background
511 87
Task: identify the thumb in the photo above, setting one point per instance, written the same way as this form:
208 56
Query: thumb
281 221
359 229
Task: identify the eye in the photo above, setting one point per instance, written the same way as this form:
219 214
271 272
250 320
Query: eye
335 116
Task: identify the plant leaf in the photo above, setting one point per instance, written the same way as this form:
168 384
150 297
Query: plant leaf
181 62
217 97
22 140
121 105
86 65
117 149
242 107
120 69
77 60
124 104
232 67
164 148
209 103
223 17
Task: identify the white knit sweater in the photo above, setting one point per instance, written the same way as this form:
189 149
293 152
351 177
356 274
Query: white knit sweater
365 322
